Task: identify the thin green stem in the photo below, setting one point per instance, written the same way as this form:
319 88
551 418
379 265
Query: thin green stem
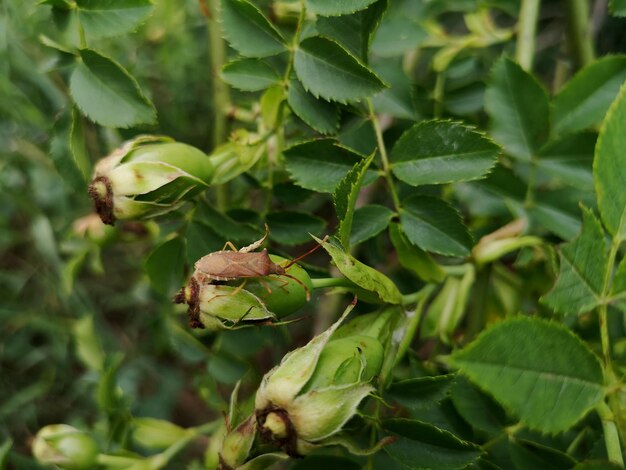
383 155
611 435
526 32
579 32
438 94
325 282
411 328
220 92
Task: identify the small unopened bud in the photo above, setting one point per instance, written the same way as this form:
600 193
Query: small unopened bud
153 433
66 447
237 444
148 176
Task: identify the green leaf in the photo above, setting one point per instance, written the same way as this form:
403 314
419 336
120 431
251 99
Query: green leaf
517 105
369 221
165 266
327 462
420 445
528 455
328 70
77 146
538 370
584 262
435 152
201 240
397 35
345 197
293 228
354 32
249 31
420 392
335 8
434 225
609 168
584 100
315 112
63 158
5 448
413 258
619 280
397 100
569 159
105 18
320 164
617 7
362 275
107 94
250 74
477 408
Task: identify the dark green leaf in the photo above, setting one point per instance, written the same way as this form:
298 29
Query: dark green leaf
293 228
77 146
517 105
619 280
398 34
107 94
165 266
201 240
617 7
315 112
397 100
249 31
609 168
434 225
529 455
105 18
414 258
355 31
328 70
336 8
368 222
435 152
597 464
320 164
422 445
584 261
584 100
569 159
225 226
250 74
558 210
362 275
421 392
538 370
478 409
62 157
345 197
327 462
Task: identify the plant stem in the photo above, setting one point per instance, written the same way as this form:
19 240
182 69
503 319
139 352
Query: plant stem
217 58
579 32
526 31
324 282
383 155
608 416
414 321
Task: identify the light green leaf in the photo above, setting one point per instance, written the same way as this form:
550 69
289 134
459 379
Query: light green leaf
584 261
249 31
609 168
105 18
569 159
435 152
107 94
538 370
434 225
354 32
293 228
250 74
328 70
397 35
421 445
517 105
336 8
345 197
362 275
320 164
369 221
315 112
413 258
584 100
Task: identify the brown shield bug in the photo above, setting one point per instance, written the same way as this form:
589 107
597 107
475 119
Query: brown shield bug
228 265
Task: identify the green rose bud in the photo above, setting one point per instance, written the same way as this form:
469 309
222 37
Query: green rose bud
66 447
237 444
148 176
153 433
316 389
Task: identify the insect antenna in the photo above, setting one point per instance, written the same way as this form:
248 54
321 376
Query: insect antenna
294 261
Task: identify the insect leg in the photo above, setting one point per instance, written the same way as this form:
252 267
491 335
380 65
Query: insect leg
229 245
257 243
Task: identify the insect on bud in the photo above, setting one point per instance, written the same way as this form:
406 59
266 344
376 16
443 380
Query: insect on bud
66 447
316 389
146 177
